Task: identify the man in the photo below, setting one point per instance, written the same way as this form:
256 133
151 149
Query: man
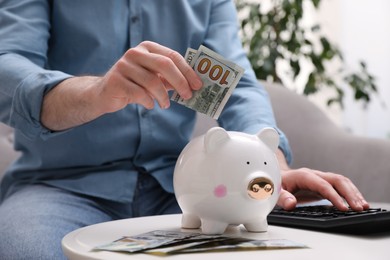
86 86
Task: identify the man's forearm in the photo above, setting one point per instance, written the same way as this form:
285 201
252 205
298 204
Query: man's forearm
71 103
143 75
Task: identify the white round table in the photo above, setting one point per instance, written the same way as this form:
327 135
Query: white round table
79 243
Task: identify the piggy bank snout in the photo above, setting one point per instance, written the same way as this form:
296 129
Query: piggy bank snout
260 188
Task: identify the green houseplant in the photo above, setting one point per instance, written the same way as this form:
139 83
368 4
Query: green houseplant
278 34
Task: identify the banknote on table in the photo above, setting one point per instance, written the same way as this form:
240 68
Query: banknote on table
153 239
219 77
224 244
162 243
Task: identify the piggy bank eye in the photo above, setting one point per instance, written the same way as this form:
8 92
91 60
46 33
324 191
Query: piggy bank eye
260 188
265 163
248 162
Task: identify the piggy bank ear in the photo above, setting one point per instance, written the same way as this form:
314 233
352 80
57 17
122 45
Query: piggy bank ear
214 138
270 137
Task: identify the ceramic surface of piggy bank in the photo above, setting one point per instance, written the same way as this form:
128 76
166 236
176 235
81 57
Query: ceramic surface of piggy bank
228 178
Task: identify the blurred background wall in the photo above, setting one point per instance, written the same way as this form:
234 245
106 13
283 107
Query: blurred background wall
361 28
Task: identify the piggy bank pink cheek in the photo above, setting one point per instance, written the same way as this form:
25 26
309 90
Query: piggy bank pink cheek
220 191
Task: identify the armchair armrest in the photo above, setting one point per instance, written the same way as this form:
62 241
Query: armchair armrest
318 143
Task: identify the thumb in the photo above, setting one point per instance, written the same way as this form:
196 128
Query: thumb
286 200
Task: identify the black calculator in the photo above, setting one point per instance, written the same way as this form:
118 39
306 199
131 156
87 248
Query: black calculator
328 218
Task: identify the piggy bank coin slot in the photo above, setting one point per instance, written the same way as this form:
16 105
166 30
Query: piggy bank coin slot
260 188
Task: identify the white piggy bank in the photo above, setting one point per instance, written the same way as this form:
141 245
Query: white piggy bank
228 178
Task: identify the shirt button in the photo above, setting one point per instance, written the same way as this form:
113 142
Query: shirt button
144 112
134 19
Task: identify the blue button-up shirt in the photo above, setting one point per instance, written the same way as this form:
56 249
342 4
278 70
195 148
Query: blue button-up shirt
44 42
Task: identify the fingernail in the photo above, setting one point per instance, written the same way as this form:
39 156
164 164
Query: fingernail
289 203
343 206
197 84
291 199
187 95
358 205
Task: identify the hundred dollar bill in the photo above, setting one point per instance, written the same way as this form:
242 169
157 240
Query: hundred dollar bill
153 239
190 55
219 77
223 244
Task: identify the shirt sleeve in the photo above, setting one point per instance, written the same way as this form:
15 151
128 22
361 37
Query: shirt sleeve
249 108
24 36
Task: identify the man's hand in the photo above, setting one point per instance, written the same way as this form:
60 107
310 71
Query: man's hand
334 187
143 74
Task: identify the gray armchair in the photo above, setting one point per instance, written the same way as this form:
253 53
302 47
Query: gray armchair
315 140
318 143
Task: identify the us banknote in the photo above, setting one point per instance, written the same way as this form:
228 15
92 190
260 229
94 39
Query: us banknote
149 240
219 77
161 242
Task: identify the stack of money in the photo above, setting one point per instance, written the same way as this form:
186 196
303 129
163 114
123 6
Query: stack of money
219 77
163 242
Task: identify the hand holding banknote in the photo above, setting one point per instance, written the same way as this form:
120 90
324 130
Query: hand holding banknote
145 73
219 77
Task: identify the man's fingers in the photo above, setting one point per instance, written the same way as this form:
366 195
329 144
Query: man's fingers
166 84
346 189
120 91
155 69
193 79
151 82
136 94
312 181
286 200
330 186
172 66
161 65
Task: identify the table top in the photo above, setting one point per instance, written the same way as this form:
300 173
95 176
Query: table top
78 244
